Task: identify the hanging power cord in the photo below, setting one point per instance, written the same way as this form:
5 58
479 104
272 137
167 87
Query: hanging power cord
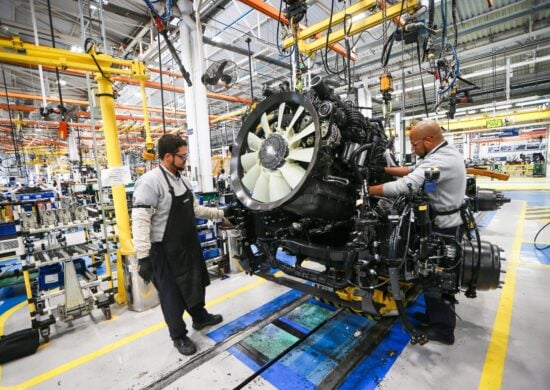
63 132
537 235
15 149
455 17
160 23
250 69
161 87
281 52
421 79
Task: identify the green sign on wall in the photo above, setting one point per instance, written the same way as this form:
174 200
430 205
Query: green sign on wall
492 123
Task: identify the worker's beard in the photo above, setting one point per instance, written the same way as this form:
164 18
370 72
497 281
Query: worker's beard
177 168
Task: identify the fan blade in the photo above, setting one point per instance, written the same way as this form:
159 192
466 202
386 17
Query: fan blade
302 154
254 142
304 133
249 180
248 160
295 117
293 174
280 118
261 189
278 187
265 124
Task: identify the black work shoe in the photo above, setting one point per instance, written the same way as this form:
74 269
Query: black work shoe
435 335
422 318
211 319
185 346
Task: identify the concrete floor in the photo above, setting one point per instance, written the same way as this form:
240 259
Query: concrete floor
502 340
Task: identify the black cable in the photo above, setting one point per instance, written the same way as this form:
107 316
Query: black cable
250 69
536 236
277 34
62 107
453 6
421 79
16 151
161 87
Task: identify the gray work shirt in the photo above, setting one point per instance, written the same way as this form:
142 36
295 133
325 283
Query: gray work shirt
451 186
153 195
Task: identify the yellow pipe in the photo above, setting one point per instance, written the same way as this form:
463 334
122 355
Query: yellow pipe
148 140
356 28
120 297
27 279
229 115
510 118
336 19
108 270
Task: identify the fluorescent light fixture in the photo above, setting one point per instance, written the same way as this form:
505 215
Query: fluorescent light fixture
358 17
504 107
62 82
533 102
77 49
93 6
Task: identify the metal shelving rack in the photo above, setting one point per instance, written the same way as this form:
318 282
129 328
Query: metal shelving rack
80 296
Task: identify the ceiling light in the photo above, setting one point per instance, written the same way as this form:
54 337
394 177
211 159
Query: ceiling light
358 17
533 102
77 49
93 6
62 82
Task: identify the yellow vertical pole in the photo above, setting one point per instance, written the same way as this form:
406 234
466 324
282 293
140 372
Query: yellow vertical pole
149 145
114 159
108 270
27 279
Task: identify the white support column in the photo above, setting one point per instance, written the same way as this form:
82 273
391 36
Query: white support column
201 107
508 78
196 103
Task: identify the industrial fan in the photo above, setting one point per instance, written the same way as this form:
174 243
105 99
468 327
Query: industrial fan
277 153
220 76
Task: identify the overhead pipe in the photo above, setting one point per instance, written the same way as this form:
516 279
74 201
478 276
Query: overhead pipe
273 13
80 102
37 42
244 52
131 81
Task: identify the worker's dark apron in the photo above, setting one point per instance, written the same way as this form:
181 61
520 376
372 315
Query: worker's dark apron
182 248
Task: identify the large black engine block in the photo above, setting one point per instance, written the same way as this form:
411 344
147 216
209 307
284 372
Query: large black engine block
300 169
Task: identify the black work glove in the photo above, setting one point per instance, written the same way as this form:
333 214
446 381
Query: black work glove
145 269
229 212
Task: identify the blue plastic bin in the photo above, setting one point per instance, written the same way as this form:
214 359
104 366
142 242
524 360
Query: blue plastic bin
206 235
211 253
50 276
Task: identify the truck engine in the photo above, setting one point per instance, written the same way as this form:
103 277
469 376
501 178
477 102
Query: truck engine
300 169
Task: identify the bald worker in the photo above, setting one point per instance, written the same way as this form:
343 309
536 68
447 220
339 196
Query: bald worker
428 143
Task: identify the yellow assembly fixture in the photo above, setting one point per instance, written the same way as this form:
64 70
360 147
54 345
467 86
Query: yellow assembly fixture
15 51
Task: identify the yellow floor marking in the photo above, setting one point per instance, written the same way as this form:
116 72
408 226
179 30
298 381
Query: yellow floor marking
4 318
111 347
493 369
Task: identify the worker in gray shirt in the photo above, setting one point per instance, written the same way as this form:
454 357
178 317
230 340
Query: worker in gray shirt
428 143
166 241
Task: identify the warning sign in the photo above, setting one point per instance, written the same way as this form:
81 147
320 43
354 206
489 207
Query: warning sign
116 176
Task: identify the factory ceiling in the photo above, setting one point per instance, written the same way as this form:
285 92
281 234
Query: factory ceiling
503 49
